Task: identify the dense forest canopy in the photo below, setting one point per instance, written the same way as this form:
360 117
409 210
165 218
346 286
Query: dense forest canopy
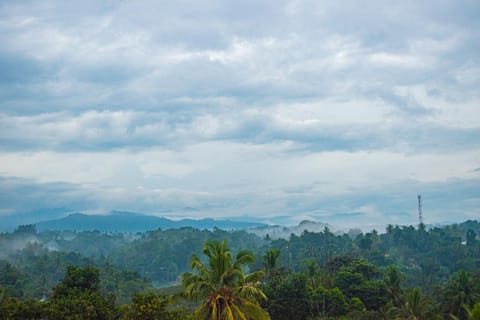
315 275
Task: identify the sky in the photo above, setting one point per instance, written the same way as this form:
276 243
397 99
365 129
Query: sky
276 111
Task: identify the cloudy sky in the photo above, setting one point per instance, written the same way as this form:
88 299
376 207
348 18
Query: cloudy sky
277 110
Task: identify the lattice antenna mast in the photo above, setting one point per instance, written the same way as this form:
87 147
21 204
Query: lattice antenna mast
420 212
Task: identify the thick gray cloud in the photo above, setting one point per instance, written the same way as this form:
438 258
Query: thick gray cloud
142 54
103 130
224 107
25 201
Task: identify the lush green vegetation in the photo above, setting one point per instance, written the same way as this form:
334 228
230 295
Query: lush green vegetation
405 273
227 292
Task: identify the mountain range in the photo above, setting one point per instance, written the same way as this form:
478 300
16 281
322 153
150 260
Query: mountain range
134 222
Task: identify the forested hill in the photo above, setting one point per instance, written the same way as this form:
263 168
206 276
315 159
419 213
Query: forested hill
134 222
427 259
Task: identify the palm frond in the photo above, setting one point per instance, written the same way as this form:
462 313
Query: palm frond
243 258
197 264
250 293
227 313
254 277
238 314
253 311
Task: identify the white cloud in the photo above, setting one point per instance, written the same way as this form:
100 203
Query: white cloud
395 60
230 105
213 166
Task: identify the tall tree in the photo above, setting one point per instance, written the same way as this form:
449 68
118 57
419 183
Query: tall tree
227 293
270 263
471 313
77 296
416 306
471 236
462 290
393 279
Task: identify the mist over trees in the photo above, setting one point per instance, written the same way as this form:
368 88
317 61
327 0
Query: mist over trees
406 272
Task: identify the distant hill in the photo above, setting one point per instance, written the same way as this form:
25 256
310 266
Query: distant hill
284 232
134 222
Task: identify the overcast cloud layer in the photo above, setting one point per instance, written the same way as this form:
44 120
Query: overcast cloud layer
278 110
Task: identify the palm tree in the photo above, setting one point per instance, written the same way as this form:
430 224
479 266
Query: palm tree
228 293
416 306
473 313
270 263
462 290
393 279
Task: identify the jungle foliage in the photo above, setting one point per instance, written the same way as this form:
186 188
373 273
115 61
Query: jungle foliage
405 273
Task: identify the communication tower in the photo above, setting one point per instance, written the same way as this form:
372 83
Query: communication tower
420 213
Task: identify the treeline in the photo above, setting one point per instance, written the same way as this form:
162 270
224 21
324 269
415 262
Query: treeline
427 257
344 288
351 288
405 272
159 255
79 296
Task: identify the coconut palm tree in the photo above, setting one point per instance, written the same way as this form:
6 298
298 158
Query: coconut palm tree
472 313
416 306
227 293
270 263
393 279
461 290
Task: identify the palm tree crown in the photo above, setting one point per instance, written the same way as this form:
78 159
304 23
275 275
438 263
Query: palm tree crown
228 293
416 306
